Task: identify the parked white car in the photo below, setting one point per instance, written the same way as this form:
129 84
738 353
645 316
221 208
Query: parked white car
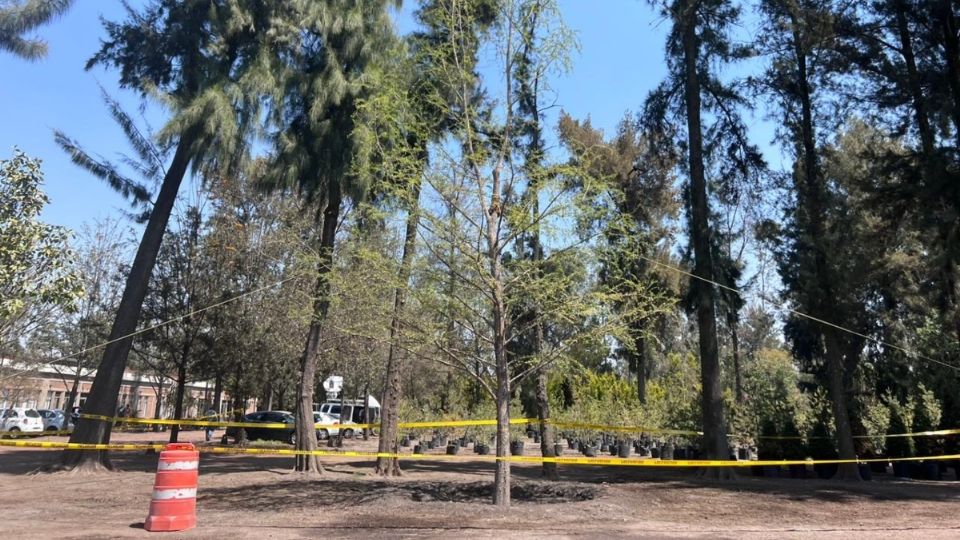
54 420
325 433
19 420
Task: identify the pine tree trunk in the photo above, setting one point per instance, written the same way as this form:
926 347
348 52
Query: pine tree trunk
951 49
913 79
838 402
714 425
305 431
813 194
106 385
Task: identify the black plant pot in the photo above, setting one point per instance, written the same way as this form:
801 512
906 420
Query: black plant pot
680 453
865 471
405 442
431 445
572 444
623 450
483 449
743 454
536 437
590 451
771 471
452 449
901 469
558 449
878 467
798 471
667 451
928 470
655 453
418 449
825 471
613 450
604 447
516 448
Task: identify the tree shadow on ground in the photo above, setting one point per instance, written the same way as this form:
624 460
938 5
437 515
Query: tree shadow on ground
477 475
344 493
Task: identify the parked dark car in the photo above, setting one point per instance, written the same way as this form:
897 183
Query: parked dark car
286 434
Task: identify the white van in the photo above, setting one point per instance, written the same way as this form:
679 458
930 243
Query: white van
351 412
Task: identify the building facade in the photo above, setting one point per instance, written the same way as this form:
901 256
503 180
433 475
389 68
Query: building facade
141 396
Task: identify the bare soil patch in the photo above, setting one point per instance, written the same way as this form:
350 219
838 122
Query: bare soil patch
244 496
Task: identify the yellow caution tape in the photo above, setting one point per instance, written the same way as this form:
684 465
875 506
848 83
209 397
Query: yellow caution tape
488 422
613 461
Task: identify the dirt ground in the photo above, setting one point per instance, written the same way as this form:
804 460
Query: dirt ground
244 496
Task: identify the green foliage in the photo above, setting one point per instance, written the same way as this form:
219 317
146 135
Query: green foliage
822 438
875 416
901 420
926 417
37 275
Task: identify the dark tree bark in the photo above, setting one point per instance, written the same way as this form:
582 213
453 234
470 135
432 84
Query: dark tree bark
306 433
714 425
951 48
733 323
812 195
392 386
218 392
157 409
106 385
913 79
178 400
640 361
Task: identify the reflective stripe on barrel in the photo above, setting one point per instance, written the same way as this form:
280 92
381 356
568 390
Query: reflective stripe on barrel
182 493
177 465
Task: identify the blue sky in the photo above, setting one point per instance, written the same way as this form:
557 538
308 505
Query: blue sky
620 60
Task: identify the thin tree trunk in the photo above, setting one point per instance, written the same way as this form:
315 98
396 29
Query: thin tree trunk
714 425
501 479
306 433
217 393
546 429
178 403
737 368
366 412
71 399
157 409
392 386
106 385
640 364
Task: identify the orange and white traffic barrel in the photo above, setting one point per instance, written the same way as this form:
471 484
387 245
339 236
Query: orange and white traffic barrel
174 503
